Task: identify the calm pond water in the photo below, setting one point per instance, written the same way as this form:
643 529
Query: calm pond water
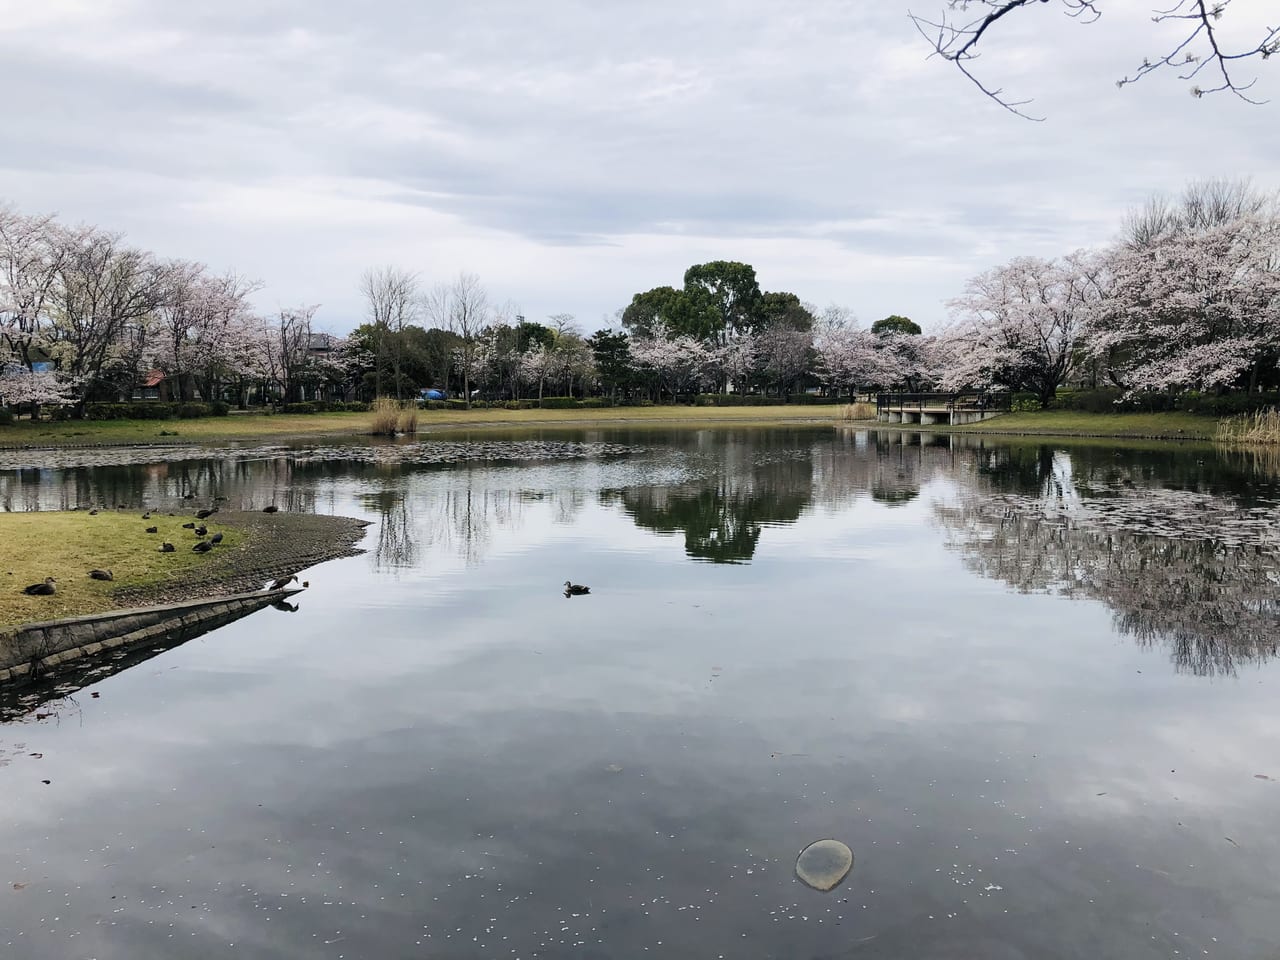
1032 688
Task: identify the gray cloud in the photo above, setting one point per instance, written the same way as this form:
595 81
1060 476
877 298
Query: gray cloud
574 153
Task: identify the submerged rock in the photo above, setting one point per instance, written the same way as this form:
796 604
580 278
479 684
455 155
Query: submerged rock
823 864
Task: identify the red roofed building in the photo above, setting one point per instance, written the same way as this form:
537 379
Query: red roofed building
153 386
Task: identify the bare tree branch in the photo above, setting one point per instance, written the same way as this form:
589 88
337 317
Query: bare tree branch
955 38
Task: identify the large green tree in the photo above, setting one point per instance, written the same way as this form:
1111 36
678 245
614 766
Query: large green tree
778 309
730 293
669 307
896 324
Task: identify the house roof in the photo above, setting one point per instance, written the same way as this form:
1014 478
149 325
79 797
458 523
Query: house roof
153 378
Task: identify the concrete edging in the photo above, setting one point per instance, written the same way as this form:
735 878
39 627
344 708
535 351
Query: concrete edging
36 647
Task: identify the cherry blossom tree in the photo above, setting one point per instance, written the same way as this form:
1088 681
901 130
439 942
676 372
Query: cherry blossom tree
103 286
735 362
536 365
846 357
785 355
1020 325
572 360
678 362
283 345
1194 307
19 385
197 326
32 250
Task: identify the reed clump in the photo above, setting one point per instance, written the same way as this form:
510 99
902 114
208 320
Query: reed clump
392 416
858 411
1262 427
408 422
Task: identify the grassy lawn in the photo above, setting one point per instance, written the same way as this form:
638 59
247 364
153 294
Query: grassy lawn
1072 423
67 545
235 427
253 426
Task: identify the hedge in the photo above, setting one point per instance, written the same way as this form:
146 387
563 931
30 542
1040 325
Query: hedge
323 406
759 400
1113 400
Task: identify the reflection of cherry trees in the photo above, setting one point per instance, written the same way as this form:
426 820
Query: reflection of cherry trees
1188 570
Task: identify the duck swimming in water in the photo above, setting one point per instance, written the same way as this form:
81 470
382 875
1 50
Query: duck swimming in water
575 589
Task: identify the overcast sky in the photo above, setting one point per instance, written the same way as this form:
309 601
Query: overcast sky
573 153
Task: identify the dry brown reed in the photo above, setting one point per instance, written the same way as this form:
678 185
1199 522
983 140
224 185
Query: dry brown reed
1262 427
386 415
408 422
858 411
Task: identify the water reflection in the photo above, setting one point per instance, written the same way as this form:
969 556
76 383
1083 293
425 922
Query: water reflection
723 515
439 756
1194 570
1180 543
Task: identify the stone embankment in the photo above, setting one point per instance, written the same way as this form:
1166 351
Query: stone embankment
34 649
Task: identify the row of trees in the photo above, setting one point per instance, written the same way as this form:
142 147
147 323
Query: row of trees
1187 298
84 315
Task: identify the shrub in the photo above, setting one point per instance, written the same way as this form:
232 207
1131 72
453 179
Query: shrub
1103 400
455 404
1023 402
104 411
191 411
594 403
1227 404
811 399
558 403
219 408
151 411
305 407
6 417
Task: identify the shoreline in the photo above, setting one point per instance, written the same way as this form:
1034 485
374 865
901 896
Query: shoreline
260 547
332 427
275 545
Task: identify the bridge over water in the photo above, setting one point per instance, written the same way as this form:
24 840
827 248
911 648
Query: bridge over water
940 408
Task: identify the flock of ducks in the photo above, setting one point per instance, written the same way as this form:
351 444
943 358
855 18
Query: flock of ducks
49 585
